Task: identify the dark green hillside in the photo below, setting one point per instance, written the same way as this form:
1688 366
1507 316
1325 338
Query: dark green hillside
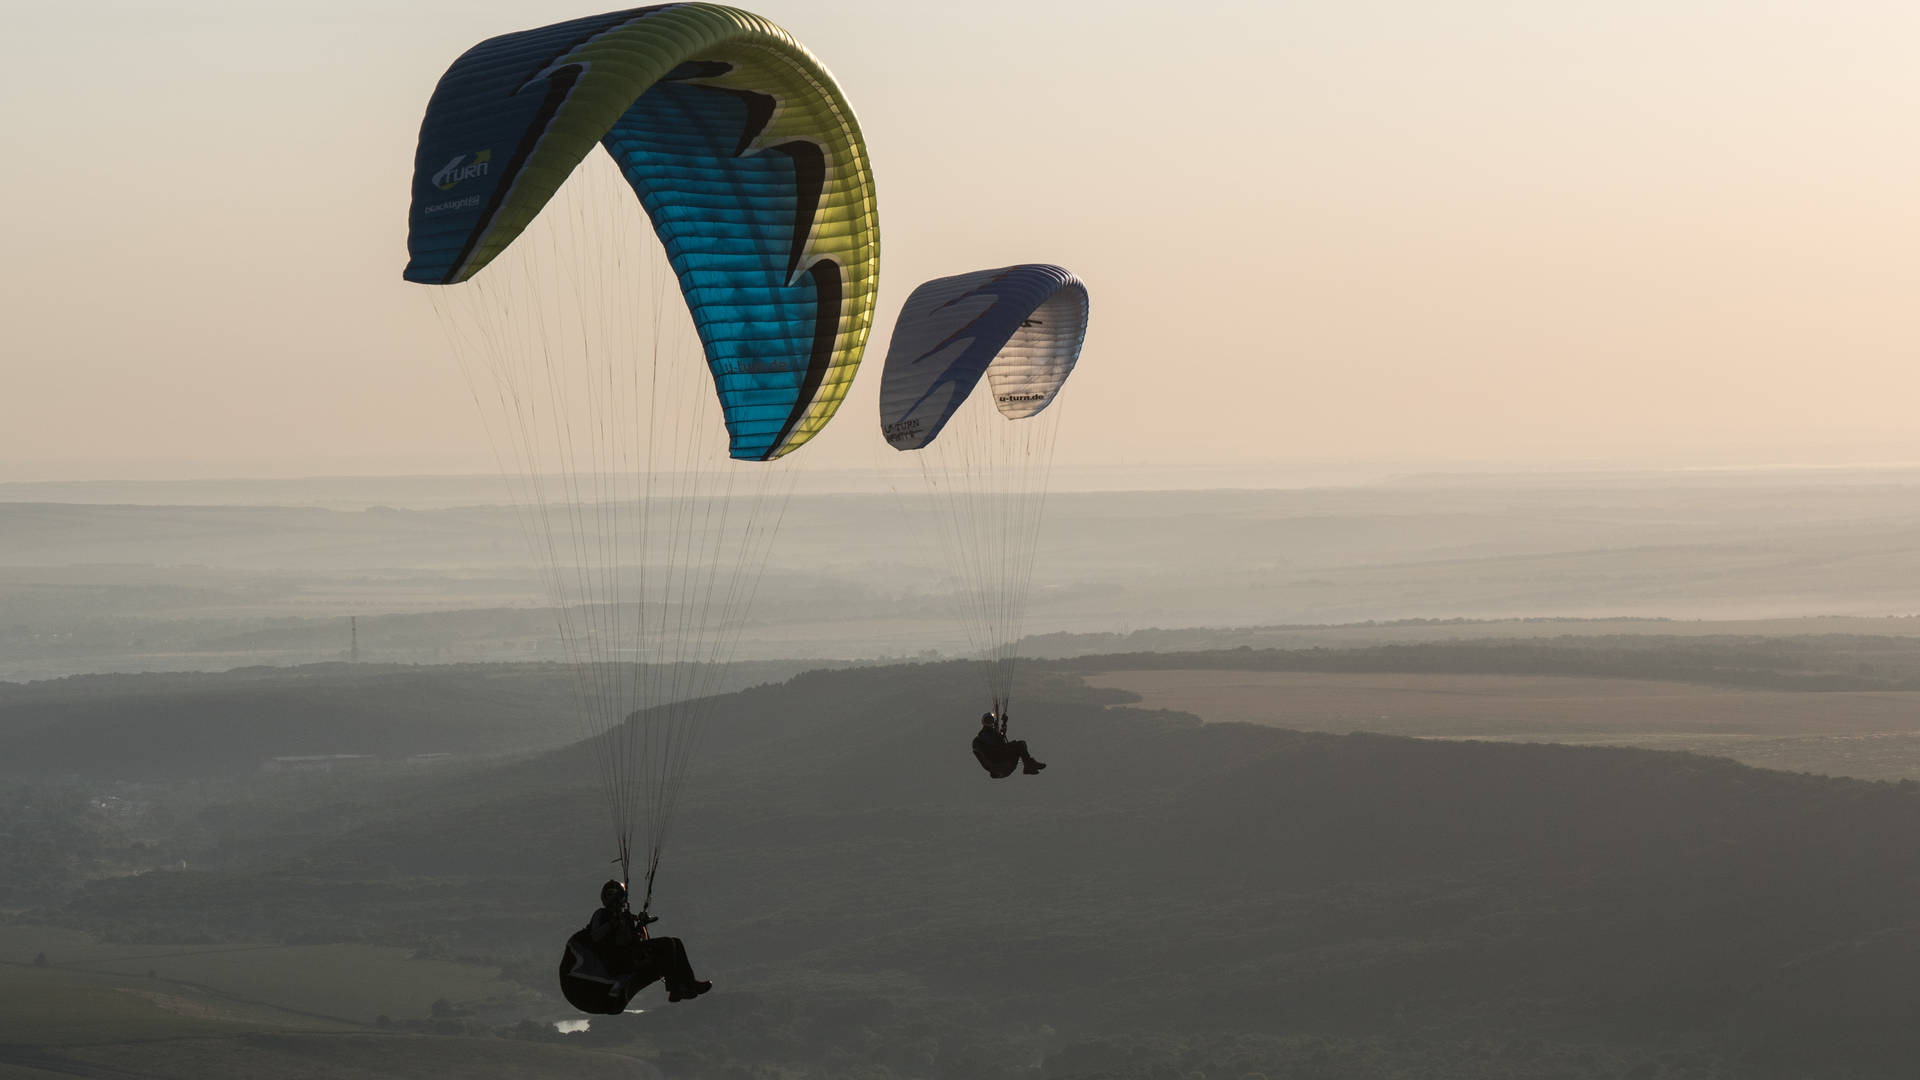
1168 898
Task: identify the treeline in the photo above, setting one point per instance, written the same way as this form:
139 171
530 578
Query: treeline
1836 662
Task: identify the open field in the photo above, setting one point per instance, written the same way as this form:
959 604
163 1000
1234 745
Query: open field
1872 735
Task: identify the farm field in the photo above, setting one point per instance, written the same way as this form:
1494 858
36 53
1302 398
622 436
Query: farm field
230 1012
52 1007
362 1056
300 987
1872 735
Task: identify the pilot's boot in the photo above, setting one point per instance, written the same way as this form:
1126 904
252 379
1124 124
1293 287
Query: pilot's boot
683 991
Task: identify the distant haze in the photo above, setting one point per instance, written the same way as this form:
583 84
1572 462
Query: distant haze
208 575
1391 234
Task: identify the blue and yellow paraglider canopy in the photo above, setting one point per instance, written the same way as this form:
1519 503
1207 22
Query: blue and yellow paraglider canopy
737 142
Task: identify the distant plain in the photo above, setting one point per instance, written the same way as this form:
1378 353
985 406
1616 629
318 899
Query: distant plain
1873 735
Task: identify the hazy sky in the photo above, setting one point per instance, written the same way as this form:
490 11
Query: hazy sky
1425 233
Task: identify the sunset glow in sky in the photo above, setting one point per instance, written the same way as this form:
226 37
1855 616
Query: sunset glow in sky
1422 234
